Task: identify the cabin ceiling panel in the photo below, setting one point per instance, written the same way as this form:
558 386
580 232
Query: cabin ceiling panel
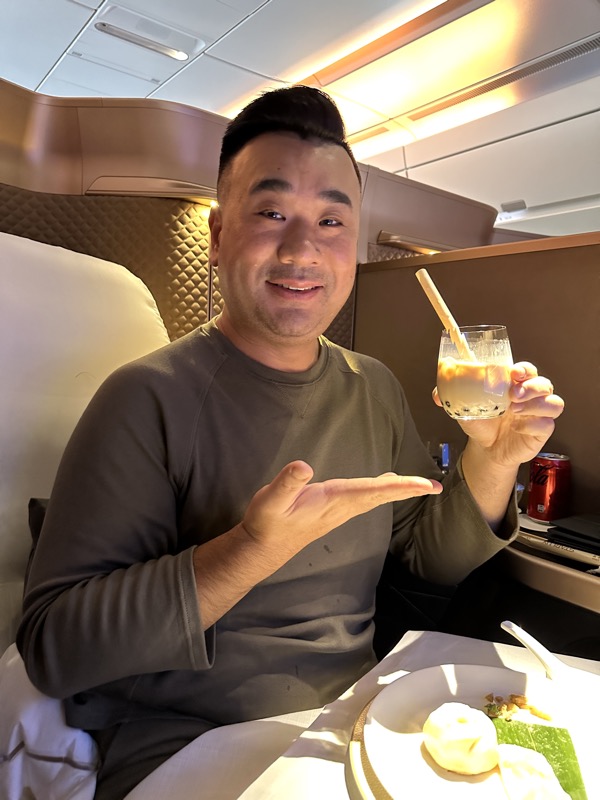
213 85
316 33
562 223
115 67
210 18
356 115
464 53
548 110
539 112
79 76
70 86
543 171
28 51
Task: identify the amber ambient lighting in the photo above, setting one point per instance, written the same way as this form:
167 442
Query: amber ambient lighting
444 120
428 18
396 72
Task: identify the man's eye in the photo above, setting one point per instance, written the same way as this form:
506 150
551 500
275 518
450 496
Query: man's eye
272 214
329 222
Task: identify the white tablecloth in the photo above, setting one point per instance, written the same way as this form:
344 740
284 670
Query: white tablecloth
300 756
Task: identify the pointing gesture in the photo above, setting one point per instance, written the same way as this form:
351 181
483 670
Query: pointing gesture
290 512
282 518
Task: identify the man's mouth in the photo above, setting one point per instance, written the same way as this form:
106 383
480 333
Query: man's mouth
298 289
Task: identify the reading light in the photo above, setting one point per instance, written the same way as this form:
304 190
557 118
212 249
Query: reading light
404 242
141 41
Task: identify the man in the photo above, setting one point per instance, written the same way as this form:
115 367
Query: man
221 515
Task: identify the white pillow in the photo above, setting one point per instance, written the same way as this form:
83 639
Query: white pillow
41 757
66 321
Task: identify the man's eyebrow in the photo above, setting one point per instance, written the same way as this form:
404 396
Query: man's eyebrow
336 196
271 185
280 185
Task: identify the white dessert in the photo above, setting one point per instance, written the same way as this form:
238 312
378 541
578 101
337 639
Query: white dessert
527 775
461 739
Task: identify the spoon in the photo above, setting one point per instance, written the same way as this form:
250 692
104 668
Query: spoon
554 667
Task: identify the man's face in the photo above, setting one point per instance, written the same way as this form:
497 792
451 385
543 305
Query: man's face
285 237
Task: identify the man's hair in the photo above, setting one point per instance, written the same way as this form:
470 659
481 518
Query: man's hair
306 111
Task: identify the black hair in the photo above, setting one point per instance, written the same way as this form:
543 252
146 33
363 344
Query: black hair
303 110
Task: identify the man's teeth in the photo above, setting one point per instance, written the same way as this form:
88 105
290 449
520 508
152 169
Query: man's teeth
297 288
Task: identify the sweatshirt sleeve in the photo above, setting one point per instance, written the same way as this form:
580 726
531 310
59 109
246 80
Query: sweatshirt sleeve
109 595
442 538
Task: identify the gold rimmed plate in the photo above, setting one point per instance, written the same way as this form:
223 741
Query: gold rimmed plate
386 756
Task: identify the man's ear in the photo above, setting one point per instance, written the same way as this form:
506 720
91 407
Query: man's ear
215 224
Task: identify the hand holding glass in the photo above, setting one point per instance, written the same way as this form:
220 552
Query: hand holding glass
476 387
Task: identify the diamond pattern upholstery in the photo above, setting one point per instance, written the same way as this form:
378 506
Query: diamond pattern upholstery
164 241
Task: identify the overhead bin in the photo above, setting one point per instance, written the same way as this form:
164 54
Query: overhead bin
90 145
410 215
148 147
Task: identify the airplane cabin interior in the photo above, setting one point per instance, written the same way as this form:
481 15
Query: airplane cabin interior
104 202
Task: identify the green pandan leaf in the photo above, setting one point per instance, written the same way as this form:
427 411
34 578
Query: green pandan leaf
553 743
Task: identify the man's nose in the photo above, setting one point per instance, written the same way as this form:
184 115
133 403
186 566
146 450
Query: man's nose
299 245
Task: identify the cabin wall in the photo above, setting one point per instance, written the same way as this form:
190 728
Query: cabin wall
102 145
546 291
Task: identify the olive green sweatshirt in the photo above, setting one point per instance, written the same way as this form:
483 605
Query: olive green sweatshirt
167 456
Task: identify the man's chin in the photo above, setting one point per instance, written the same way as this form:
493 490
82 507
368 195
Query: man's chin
297 325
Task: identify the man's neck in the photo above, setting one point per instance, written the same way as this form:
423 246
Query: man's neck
283 356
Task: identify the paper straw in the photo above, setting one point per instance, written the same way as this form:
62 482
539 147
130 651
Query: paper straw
443 312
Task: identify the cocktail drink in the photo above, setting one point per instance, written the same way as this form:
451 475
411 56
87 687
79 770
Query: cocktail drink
474 384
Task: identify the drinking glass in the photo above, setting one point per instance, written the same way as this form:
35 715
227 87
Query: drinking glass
475 387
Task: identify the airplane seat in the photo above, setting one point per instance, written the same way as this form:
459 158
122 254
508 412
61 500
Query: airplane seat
68 320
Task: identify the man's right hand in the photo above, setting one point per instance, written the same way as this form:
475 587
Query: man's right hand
290 512
282 518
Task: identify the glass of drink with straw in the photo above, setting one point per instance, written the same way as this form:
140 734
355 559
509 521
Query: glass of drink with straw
474 362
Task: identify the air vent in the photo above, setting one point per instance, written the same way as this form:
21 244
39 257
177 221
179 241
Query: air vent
582 48
513 205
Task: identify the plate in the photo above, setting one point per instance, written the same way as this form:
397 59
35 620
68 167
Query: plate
388 761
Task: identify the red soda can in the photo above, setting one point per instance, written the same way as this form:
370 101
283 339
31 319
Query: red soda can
549 486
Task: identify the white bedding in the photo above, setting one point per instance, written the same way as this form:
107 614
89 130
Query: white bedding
41 757
66 321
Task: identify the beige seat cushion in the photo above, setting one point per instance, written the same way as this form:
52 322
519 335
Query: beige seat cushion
66 321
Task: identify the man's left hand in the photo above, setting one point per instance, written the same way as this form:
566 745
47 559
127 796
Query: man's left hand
521 433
